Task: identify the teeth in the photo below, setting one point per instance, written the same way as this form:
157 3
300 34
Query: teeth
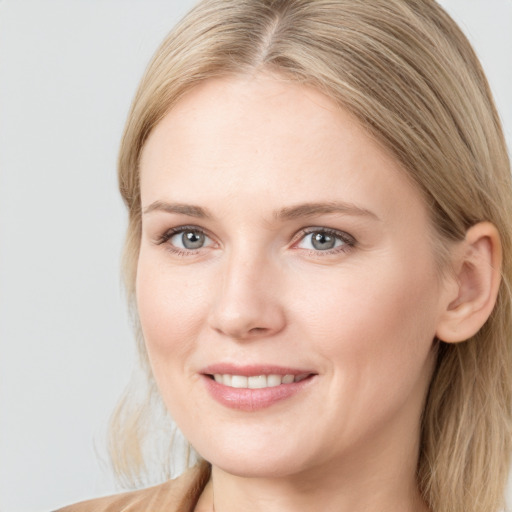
238 381
257 381
288 379
273 380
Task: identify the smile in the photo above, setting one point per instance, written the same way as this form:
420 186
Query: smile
257 381
252 388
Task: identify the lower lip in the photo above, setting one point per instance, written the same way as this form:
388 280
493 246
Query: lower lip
245 399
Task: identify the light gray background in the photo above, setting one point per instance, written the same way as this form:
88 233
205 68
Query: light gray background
68 70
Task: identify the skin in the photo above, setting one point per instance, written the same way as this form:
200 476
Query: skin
362 316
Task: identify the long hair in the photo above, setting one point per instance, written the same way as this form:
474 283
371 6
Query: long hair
409 75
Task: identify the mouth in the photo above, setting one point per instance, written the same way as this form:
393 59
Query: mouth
257 381
251 388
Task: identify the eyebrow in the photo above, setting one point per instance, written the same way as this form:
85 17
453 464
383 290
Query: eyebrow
179 208
311 209
286 213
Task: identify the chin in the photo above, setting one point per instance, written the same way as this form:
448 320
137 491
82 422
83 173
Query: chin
255 469
265 462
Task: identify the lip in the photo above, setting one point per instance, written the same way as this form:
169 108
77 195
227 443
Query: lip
252 370
245 399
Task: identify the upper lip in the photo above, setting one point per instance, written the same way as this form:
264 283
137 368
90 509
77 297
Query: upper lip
253 370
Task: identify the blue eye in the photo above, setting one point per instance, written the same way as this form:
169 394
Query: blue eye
325 240
186 239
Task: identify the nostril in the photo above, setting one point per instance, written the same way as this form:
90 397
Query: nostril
257 330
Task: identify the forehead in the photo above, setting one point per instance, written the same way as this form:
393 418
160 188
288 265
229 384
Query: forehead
257 111
254 135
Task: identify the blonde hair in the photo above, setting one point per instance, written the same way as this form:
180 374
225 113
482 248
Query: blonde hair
410 76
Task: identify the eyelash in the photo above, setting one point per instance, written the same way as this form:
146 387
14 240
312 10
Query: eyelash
348 241
163 239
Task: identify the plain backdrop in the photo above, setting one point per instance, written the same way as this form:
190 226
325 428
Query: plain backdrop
68 70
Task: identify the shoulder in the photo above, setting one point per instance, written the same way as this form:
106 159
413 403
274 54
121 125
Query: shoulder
178 495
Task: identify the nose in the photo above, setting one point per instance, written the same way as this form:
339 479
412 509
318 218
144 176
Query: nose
247 303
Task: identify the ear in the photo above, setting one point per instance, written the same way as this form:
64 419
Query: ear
477 267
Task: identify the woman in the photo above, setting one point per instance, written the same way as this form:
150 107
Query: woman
319 253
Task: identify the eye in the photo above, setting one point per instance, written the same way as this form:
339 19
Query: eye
189 239
325 240
186 239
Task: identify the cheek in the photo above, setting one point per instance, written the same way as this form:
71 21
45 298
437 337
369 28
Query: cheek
375 327
172 311
171 308
374 332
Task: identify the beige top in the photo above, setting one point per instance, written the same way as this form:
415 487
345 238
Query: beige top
178 495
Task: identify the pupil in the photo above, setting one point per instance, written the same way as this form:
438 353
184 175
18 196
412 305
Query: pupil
192 240
323 241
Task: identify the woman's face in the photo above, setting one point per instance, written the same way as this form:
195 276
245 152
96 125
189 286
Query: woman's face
287 284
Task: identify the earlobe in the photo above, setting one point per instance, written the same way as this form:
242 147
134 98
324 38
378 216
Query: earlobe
477 276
